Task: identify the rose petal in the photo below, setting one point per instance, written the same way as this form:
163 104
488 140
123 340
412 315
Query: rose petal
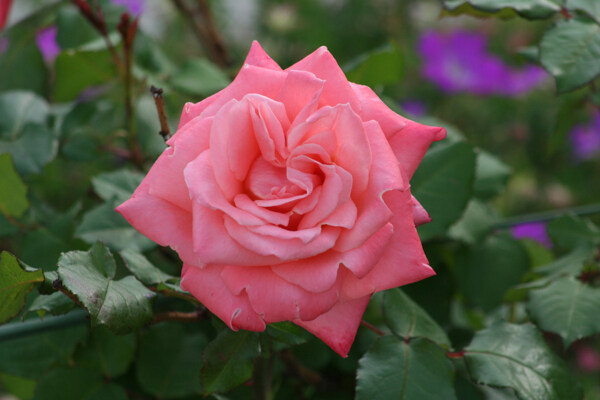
420 215
338 327
373 212
372 108
403 261
337 89
165 178
259 58
298 90
160 221
243 202
208 287
275 299
283 248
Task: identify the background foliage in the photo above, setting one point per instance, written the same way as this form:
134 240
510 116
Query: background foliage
91 309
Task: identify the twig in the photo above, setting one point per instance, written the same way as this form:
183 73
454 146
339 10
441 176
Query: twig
178 316
372 327
300 370
165 132
35 326
204 27
547 215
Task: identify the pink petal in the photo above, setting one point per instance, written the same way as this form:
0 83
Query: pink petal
214 245
298 90
420 215
337 89
338 327
283 248
270 122
274 298
373 212
258 57
243 202
208 287
375 109
320 273
160 221
403 261
165 178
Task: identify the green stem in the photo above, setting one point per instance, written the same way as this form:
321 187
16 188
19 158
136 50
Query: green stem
36 326
261 378
547 215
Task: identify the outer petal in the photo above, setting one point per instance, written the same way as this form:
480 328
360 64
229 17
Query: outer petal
165 178
338 327
160 221
403 261
274 298
420 215
409 140
259 58
206 285
337 89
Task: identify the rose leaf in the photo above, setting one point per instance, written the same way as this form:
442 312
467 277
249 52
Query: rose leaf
517 357
16 281
398 369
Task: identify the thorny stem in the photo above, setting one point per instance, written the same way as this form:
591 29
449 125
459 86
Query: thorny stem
165 132
178 316
204 27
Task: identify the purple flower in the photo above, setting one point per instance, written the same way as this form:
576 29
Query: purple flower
46 41
4 44
134 7
459 61
585 139
532 230
414 107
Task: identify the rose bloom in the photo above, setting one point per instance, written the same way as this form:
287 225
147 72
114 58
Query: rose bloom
287 197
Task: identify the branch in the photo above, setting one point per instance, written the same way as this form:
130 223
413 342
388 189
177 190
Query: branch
194 316
204 27
165 132
372 327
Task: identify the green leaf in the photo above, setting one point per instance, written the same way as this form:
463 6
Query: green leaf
407 319
15 282
22 60
23 131
21 388
491 176
56 303
106 352
117 185
147 273
571 231
590 7
485 271
104 224
382 66
30 356
287 332
570 51
477 221
397 369
517 357
122 306
13 192
532 9
199 76
443 185
568 307
78 70
169 361
228 360
80 384
568 265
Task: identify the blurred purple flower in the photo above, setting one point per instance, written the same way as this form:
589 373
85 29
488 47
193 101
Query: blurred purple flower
585 139
4 44
134 7
532 230
414 107
587 358
46 41
459 61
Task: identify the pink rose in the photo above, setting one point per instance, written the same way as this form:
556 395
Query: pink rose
286 196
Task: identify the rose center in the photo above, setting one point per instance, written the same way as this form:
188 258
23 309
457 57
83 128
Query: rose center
266 181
